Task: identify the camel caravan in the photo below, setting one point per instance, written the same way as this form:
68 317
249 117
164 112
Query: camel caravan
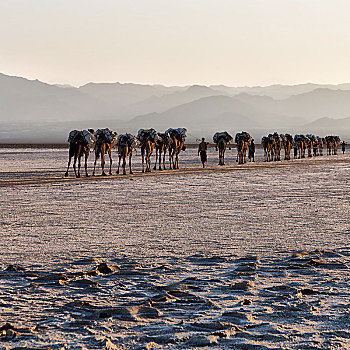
103 141
172 142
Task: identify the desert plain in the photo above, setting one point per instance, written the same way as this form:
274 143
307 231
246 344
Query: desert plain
252 256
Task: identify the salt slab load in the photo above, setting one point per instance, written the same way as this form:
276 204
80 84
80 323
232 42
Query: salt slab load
223 134
107 133
180 133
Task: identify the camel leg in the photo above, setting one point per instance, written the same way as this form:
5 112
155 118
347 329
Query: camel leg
103 164
86 159
143 159
66 174
155 163
79 165
177 160
124 165
130 163
110 162
75 166
170 159
148 162
160 167
119 164
93 172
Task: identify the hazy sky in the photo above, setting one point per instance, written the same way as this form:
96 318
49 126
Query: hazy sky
176 42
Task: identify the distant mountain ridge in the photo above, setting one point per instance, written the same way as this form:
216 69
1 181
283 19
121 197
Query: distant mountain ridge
34 111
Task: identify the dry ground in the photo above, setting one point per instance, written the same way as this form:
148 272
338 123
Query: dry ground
245 257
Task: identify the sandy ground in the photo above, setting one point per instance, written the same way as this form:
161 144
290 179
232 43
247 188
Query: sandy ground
244 257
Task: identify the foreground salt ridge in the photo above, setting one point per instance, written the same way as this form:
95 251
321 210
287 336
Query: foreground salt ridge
295 302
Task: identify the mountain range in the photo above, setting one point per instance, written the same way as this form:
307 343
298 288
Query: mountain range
34 111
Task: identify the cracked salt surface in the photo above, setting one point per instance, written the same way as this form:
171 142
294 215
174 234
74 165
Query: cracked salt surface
256 258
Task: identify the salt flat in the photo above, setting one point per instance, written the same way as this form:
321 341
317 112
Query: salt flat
254 256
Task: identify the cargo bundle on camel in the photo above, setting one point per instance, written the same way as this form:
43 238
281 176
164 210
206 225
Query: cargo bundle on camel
221 139
80 143
177 144
147 139
105 140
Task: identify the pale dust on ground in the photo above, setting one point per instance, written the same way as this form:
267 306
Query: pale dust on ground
251 258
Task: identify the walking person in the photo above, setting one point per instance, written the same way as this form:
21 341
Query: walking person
343 145
202 151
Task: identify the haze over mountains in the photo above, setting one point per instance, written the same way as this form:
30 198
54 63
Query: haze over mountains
33 111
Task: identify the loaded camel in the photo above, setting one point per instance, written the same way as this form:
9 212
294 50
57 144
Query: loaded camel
105 140
287 141
161 145
80 143
267 143
309 143
300 143
321 143
332 144
242 140
277 146
125 145
177 144
147 140
221 139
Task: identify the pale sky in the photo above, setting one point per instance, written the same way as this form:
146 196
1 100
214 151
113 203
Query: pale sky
176 42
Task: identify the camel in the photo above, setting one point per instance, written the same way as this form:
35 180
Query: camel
242 140
315 146
329 142
251 151
177 144
300 143
80 143
105 140
267 142
321 143
287 141
125 145
277 146
332 144
147 141
309 142
221 139
161 145
318 146
336 144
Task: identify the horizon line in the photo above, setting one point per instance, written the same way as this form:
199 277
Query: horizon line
169 85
